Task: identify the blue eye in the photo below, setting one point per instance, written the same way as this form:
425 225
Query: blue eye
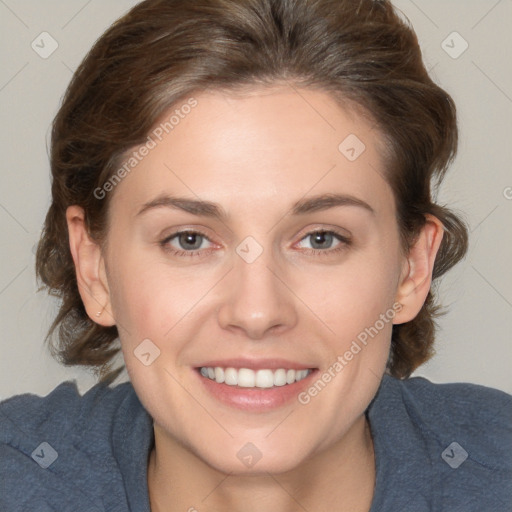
322 241
193 243
185 243
189 240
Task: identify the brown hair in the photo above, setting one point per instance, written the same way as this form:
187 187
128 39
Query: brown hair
163 50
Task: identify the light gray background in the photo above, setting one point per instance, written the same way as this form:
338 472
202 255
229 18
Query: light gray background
474 341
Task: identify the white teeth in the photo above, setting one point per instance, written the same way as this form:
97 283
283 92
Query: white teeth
280 377
231 376
219 375
299 375
264 379
247 378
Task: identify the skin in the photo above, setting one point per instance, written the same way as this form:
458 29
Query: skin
256 154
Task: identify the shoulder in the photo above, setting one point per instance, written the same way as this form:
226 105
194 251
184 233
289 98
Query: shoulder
62 412
480 416
459 403
62 404
464 393
58 450
459 434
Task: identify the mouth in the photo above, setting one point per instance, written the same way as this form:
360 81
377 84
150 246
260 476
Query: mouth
248 378
254 386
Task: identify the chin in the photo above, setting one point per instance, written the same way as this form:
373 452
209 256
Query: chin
247 459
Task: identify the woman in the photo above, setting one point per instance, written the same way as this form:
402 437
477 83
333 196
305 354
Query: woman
241 201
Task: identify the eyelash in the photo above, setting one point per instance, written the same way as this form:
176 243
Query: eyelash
175 252
345 242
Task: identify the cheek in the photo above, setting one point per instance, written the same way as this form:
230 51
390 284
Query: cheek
351 296
150 299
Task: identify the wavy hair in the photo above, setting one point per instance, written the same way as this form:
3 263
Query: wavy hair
162 51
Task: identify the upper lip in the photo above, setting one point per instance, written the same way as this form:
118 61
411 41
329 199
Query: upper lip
256 364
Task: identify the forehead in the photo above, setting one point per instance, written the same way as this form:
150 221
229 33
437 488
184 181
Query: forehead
278 143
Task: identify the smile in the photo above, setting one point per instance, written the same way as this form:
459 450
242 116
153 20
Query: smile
248 378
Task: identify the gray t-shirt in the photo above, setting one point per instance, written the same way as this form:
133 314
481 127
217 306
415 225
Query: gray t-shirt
438 447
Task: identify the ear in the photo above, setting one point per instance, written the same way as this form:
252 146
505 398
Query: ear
90 269
416 276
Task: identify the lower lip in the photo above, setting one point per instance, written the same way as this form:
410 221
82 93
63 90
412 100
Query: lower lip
255 399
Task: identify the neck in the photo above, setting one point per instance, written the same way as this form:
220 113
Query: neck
340 478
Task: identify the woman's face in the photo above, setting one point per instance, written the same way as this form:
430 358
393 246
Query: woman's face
251 179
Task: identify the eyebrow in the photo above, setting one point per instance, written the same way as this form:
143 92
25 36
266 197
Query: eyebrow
327 201
208 209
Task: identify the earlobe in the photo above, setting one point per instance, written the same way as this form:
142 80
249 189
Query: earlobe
89 268
416 277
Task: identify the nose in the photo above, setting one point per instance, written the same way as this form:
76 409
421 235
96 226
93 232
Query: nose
257 300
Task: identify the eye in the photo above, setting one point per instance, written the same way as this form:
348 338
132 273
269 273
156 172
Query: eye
324 241
185 243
